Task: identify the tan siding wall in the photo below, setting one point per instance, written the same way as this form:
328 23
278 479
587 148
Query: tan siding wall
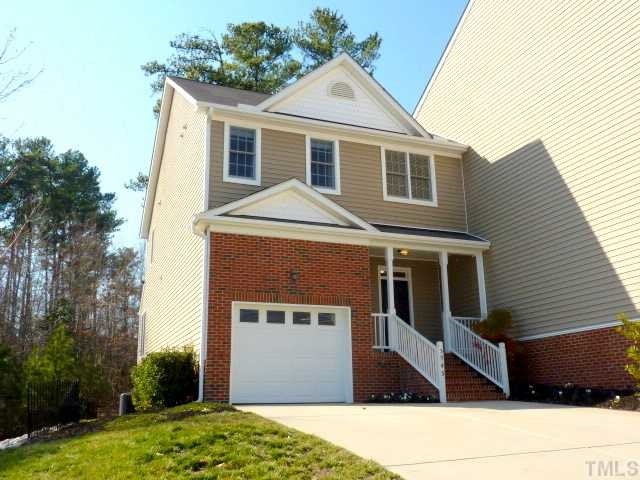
425 279
547 95
173 281
463 286
283 157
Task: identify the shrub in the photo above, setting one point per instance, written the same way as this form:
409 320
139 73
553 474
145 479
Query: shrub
164 379
495 328
496 325
12 411
631 331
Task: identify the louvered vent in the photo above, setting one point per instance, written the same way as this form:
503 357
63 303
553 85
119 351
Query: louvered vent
341 90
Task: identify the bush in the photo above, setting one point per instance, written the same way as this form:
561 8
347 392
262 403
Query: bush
12 411
631 331
496 325
164 379
495 328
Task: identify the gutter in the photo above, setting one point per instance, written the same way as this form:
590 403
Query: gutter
204 223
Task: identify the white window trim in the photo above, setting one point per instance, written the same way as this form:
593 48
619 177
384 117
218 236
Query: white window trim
406 278
225 169
336 161
414 201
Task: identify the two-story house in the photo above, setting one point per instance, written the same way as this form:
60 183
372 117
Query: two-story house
313 245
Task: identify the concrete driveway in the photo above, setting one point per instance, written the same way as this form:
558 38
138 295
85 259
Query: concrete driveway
479 440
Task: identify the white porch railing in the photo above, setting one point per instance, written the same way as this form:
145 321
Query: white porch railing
478 353
380 331
391 332
468 321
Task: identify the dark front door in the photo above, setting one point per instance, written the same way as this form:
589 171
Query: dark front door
401 297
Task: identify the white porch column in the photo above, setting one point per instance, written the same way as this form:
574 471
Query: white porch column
446 304
391 299
482 289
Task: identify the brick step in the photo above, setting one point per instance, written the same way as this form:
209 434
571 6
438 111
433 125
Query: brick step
470 388
464 384
465 381
474 397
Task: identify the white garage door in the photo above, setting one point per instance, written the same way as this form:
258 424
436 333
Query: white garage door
290 354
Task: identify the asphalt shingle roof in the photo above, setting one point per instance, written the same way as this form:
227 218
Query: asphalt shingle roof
205 92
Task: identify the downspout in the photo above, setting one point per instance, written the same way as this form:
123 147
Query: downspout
205 266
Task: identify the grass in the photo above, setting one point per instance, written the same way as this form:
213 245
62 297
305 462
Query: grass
194 441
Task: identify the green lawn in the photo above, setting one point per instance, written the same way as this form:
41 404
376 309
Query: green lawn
199 441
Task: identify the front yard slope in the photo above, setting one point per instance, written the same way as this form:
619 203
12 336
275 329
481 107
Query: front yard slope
194 441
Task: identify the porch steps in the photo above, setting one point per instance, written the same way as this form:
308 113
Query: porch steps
464 384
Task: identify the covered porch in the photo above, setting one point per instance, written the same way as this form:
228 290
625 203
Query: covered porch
438 292
420 288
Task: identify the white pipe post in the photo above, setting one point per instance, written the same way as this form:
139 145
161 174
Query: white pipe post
442 388
391 299
446 306
505 369
482 289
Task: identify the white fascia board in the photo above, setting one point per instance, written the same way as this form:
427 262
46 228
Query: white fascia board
443 57
170 88
346 132
182 91
301 83
384 99
303 189
156 159
320 233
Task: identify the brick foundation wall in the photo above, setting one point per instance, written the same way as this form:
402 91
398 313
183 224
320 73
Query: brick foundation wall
594 358
275 270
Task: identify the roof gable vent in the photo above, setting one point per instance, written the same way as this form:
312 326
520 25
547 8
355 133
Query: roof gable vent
341 90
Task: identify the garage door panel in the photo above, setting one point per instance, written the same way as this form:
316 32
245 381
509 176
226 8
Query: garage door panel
290 363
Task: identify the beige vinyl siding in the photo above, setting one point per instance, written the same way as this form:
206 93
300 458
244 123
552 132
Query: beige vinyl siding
284 157
547 94
463 286
425 279
172 297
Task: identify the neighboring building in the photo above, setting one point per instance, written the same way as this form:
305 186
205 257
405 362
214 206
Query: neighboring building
547 96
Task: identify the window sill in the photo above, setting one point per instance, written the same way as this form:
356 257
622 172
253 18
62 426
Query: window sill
241 180
327 191
411 201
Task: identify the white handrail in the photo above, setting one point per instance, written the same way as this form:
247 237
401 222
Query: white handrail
468 321
480 354
391 332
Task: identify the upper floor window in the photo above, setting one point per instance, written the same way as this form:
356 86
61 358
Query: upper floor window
241 155
323 165
408 178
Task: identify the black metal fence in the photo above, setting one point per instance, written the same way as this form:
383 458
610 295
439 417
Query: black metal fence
51 404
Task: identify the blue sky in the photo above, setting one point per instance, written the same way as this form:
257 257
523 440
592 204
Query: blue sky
93 97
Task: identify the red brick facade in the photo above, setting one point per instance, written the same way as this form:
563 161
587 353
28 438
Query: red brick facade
263 269
594 358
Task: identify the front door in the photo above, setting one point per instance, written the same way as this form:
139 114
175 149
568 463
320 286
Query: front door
401 294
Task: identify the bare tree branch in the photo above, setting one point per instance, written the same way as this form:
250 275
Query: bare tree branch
13 80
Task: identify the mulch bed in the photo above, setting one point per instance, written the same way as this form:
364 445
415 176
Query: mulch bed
570 394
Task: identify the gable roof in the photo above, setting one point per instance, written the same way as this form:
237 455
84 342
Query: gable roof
292 209
364 80
207 93
209 99
291 200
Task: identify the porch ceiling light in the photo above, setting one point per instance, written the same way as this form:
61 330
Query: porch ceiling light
404 252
